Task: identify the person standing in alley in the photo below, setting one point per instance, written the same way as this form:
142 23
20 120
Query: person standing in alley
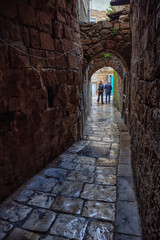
108 88
100 91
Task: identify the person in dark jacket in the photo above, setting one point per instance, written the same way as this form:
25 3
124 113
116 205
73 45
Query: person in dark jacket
108 88
100 91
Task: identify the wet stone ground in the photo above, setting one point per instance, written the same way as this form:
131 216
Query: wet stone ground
86 193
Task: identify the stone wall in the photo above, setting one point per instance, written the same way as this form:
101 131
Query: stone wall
40 86
145 111
98 15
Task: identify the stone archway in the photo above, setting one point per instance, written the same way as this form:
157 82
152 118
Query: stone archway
99 38
99 62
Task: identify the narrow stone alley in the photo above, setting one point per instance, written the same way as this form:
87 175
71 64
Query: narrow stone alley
86 193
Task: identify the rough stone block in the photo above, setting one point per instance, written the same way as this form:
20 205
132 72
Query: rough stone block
67 188
69 226
67 205
44 22
99 192
18 234
100 230
107 24
26 14
127 221
8 8
40 220
99 210
46 41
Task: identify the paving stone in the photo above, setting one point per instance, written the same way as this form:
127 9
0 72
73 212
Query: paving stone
23 196
107 161
87 168
99 210
68 165
100 231
14 212
126 237
125 159
19 234
125 189
56 173
49 237
115 146
66 156
94 138
78 147
42 200
108 140
40 220
102 178
127 221
80 177
97 149
114 153
67 205
85 160
106 170
67 188
124 170
5 227
41 183
69 226
99 192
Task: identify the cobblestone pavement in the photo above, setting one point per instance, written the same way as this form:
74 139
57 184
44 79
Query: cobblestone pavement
86 193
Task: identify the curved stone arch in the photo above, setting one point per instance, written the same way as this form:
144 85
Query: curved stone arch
113 62
102 37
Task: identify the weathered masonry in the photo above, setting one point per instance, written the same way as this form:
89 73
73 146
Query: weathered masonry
40 86
44 54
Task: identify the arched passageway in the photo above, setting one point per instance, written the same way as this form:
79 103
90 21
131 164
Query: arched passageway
99 38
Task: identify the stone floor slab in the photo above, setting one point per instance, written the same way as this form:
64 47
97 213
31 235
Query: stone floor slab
99 192
124 159
42 200
99 210
69 226
80 177
56 173
97 150
125 189
66 156
40 220
102 178
14 212
67 205
85 160
125 170
51 237
5 227
126 237
127 221
106 170
87 168
40 183
68 188
23 196
19 234
107 162
100 231
68 165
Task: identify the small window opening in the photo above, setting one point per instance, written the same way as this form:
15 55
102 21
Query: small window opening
50 97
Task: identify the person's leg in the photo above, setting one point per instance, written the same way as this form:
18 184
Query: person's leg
102 97
98 97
